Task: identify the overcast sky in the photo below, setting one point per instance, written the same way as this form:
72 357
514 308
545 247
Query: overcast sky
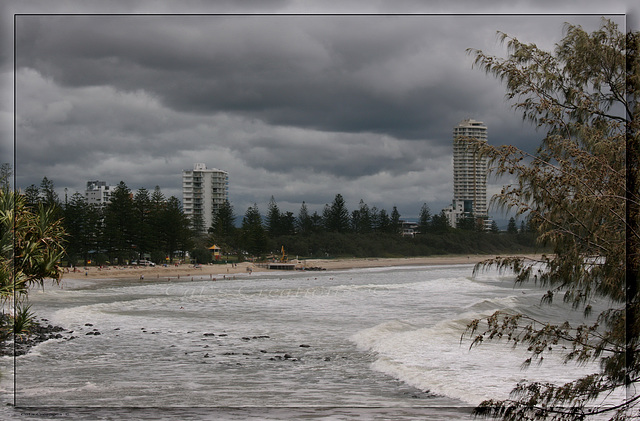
296 107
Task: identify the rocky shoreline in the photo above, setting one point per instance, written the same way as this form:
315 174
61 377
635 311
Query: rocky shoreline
41 331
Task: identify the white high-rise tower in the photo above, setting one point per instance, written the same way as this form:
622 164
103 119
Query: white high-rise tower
203 192
469 169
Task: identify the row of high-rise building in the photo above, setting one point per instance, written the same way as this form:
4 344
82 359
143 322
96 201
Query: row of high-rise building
204 189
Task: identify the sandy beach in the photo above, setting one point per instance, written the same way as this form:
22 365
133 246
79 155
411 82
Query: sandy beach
183 271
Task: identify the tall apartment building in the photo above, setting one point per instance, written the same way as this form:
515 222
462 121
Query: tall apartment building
469 172
204 190
98 192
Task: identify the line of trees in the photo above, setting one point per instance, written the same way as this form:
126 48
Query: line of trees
129 227
363 232
149 225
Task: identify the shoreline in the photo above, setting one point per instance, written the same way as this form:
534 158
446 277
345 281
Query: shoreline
185 272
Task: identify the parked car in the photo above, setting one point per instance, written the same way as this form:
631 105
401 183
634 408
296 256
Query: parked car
146 263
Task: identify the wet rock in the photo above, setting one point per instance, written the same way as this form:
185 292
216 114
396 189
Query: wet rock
287 356
305 346
209 334
88 324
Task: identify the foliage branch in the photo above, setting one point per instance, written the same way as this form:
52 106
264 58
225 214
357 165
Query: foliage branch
580 191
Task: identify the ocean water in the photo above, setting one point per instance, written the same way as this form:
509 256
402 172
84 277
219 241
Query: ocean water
381 343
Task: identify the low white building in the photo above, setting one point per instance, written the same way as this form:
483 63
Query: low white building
461 209
409 229
454 212
98 192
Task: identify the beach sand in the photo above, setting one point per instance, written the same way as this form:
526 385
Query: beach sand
185 271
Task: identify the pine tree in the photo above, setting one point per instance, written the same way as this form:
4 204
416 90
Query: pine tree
143 231
395 226
304 224
77 224
119 224
223 230
440 223
176 230
273 218
336 217
253 234
361 218
287 223
424 219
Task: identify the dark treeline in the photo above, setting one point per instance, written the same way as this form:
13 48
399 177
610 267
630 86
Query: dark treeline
363 232
147 225
129 227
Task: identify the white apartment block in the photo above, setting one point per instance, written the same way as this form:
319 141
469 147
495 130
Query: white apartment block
204 190
469 169
454 212
98 192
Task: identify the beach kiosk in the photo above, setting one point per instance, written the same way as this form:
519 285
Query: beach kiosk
215 251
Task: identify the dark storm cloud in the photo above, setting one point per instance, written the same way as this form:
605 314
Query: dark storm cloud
299 107
331 73
345 155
